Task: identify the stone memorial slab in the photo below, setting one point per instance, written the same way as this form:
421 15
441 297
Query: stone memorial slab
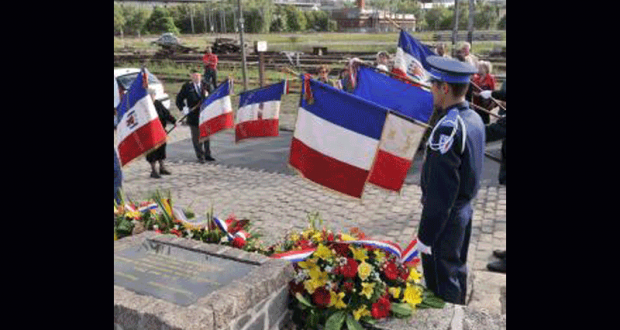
173 273
167 282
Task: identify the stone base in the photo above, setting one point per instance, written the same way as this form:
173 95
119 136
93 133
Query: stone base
256 301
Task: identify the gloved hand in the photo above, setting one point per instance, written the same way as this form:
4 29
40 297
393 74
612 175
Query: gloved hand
424 248
486 94
185 111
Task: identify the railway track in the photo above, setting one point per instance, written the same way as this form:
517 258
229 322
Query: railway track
302 62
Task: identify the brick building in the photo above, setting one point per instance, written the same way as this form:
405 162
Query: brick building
361 19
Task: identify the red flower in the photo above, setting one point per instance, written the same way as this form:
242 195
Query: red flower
321 297
296 287
238 242
391 271
350 269
381 308
176 232
341 249
305 244
404 273
348 286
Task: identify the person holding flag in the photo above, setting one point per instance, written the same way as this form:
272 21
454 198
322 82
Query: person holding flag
158 155
450 179
139 128
193 93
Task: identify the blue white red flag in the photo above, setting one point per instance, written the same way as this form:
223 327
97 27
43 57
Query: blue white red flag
414 101
401 135
410 59
139 128
336 137
216 111
259 112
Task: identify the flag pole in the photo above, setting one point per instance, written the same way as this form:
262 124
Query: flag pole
493 99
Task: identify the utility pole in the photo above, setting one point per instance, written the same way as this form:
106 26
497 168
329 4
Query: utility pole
245 67
455 29
470 23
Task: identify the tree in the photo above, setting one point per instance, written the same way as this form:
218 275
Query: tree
161 21
295 19
119 19
135 19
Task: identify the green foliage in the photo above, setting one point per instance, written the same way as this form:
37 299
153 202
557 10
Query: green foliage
295 19
502 23
160 21
119 19
130 19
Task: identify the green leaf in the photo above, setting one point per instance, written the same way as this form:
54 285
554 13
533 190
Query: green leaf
401 309
302 300
352 324
335 321
433 302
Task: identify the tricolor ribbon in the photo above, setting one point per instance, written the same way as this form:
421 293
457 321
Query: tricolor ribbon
411 253
223 227
295 256
147 207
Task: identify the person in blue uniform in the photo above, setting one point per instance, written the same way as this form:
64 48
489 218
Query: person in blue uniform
450 179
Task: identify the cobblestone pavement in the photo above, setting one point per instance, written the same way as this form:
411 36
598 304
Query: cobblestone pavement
277 203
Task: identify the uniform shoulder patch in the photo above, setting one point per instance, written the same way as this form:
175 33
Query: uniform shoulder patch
443 134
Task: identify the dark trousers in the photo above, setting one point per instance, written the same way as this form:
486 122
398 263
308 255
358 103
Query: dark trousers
203 149
157 154
210 78
445 270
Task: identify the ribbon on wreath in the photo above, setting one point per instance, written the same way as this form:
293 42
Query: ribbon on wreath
410 254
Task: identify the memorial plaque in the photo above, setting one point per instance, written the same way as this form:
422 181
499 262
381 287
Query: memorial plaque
173 273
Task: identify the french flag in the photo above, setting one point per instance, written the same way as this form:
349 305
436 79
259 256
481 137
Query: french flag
216 111
410 54
139 128
399 142
336 137
259 112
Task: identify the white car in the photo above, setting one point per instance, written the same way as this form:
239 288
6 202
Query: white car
123 78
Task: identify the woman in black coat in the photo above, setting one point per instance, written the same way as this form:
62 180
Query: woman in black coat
158 155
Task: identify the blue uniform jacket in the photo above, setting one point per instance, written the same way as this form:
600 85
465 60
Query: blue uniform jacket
451 174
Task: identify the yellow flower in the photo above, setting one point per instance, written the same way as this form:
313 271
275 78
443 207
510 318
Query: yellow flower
294 238
307 233
132 214
336 300
362 311
309 263
414 275
413 295
395 292
359 254
310 286
318 236
363 270
367 289
380 256
323 252
346 237
317 275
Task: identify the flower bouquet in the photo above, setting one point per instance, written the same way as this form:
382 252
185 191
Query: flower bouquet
346 279
159 214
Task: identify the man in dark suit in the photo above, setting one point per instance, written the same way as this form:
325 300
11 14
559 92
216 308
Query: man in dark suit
192 93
